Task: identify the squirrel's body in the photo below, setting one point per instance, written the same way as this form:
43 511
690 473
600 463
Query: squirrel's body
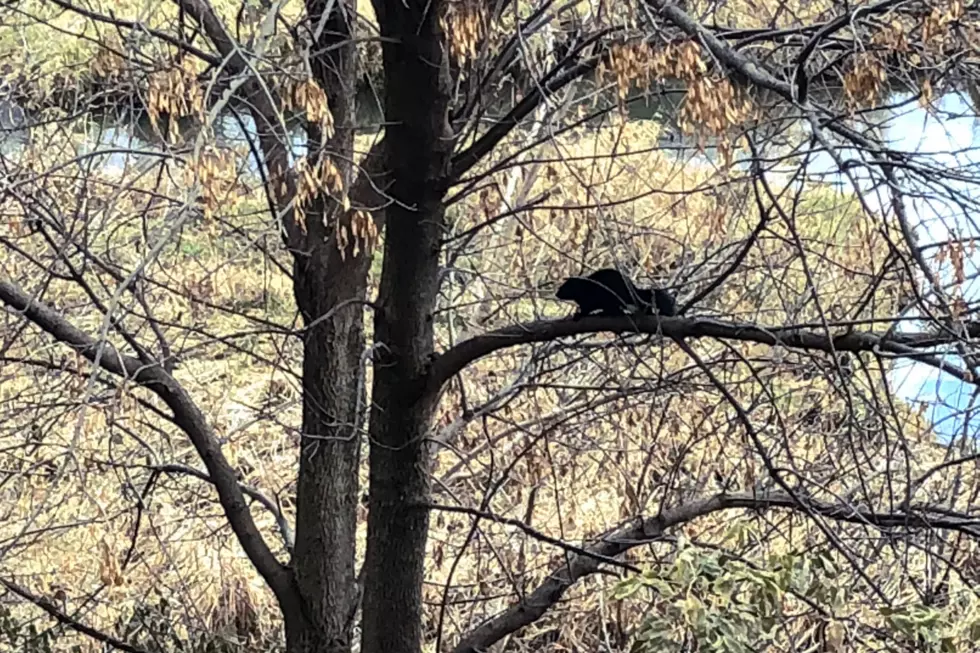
610 293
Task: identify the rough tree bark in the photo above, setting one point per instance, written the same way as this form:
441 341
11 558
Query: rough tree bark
330 285
419 148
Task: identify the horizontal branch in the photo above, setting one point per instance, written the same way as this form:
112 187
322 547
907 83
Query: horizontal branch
187 416
643 531
907 345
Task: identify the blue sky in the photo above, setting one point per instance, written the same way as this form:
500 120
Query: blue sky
952 138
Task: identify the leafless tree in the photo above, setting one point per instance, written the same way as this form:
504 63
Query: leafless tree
493 423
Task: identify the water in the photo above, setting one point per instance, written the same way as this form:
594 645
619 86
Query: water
949 138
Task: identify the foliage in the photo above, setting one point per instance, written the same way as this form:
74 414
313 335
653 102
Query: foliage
28 637
708 601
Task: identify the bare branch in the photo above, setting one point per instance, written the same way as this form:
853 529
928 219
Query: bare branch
285 530
72 623
368 191
486 143
262 103
209 21
446 365
531 532
140 27
187 416
643 531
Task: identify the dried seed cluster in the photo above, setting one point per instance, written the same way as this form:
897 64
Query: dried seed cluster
464 24
176 93
307 96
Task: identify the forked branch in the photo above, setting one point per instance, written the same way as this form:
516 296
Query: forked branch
186 415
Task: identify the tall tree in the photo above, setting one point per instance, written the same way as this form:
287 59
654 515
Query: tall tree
760 95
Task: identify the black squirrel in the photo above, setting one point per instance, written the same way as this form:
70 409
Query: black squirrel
610 293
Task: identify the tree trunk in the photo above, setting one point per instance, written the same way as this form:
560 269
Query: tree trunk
419 146
327 489
327 492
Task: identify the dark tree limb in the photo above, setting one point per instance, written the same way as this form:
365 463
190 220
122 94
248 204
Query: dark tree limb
369 190
141 27
330 288
369 186
531 532
203 13
418 150
750 69
263 105
844 20
485 144
68 621
186 415
908 345
643 531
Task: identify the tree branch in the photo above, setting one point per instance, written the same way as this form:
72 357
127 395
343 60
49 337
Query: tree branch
187 416
369 190
139 27
72 623
284 528
202 12
751 70
262 103
643 531
907 345
469 157
531 532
